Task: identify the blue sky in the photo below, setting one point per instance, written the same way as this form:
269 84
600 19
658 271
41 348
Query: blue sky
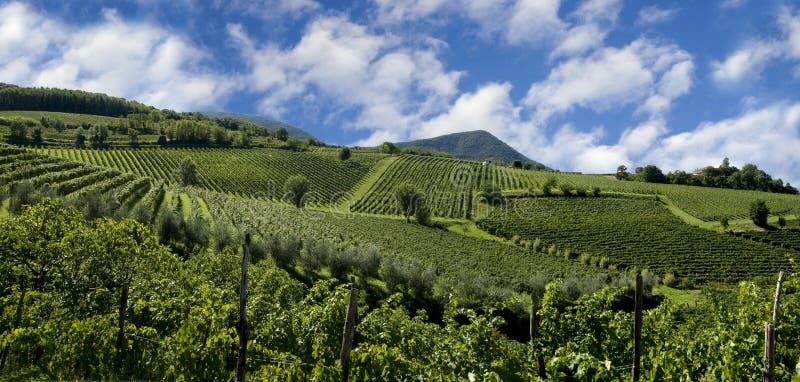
579 85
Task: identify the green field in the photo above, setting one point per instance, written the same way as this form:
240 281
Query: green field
251 172
705 203
635 232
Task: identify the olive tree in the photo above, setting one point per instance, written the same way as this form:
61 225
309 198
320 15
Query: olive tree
759 212
186 173
407 199
295 189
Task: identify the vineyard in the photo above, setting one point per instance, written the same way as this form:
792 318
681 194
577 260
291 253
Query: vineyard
784 238
248 172
455 256
69 178
448 184
635 232
705 203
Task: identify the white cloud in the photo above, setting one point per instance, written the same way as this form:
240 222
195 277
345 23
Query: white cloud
337 62
516 22
25 38
138 61
594 20
533 21
732 4
489 108
613 77
749 61
768 137
654 15
746 63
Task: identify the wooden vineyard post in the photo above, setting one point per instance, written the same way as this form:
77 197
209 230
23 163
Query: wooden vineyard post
777 299
534 333
769 353
241 361
349 331
770 334
637 329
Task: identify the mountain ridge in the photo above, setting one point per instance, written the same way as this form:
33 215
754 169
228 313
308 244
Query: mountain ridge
479 145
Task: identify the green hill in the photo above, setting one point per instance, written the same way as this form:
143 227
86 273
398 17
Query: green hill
476 145
263 121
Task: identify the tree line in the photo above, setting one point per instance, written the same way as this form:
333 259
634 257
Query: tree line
68 101
749 177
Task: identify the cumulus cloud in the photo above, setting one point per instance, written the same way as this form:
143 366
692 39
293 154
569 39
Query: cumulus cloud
654 15
651 70
515 22
132 60
768 136
593 21
390 87
749 61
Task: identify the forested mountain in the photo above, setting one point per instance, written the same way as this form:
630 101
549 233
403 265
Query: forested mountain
263 121
477 145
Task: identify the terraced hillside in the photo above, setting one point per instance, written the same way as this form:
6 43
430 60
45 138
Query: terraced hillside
636 232
251 172
69 178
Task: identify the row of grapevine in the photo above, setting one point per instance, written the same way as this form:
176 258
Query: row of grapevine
635 232
784 238
447 184
68 178
251 172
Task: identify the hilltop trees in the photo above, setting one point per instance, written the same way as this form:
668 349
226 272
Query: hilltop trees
653 174
344 154
68 101
749 177
622 173
295 189
759 212
282 134
389 148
